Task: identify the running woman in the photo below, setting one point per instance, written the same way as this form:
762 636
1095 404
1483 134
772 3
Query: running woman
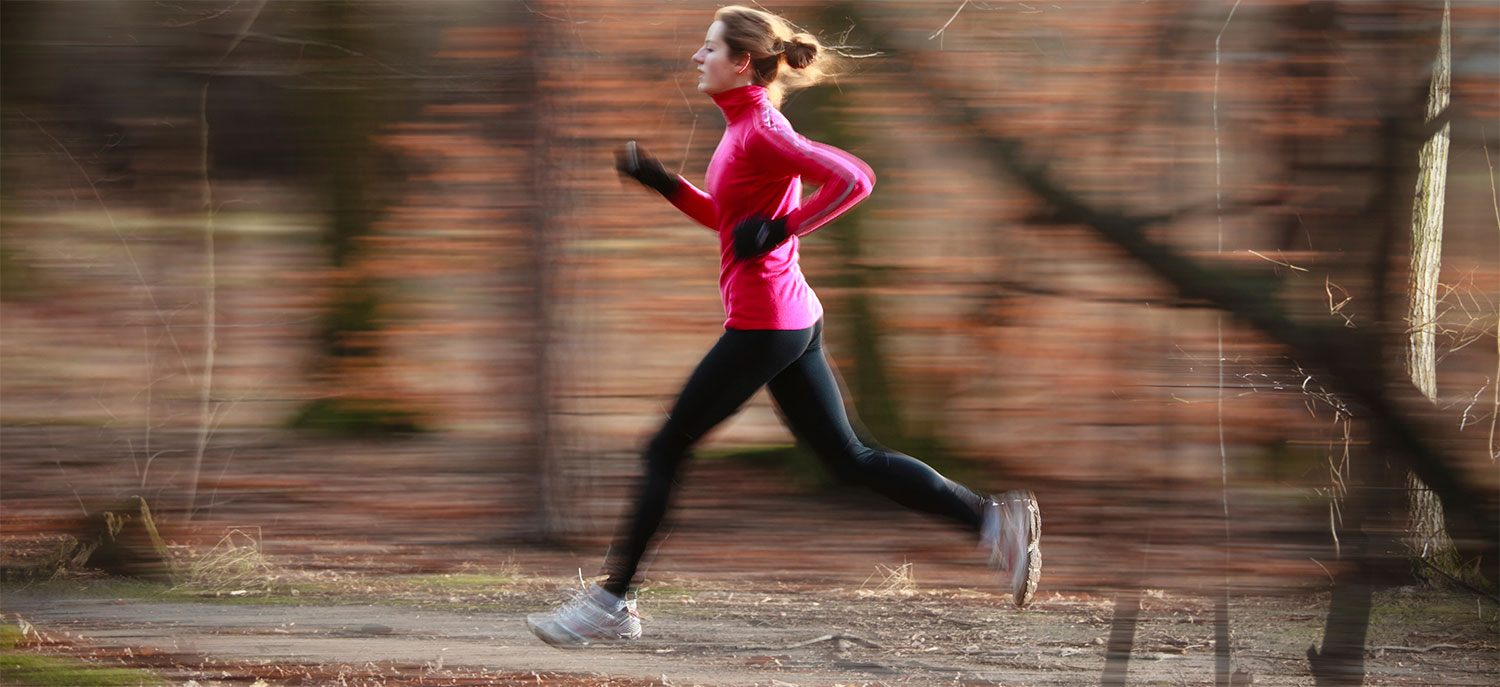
773 333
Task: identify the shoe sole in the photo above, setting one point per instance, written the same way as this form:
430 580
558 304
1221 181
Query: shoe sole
1027 590
572 641
551 640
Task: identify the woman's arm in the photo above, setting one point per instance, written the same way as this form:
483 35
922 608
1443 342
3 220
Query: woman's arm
695 204
633 161
842 179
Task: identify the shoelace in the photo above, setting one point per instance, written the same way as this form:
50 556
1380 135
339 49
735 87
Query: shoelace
583 597
577 599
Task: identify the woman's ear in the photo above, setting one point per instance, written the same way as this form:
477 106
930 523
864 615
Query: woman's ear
741 69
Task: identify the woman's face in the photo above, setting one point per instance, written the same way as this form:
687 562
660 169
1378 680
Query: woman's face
717 69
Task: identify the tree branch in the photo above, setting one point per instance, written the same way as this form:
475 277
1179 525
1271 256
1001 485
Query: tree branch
1347 355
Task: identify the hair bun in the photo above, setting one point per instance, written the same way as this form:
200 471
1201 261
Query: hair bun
800 51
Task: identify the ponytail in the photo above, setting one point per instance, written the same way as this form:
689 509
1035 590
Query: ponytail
769 41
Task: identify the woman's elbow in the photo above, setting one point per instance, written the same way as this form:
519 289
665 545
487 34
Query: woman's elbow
863 186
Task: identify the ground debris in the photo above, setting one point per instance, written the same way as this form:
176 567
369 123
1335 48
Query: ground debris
1380 650
835 638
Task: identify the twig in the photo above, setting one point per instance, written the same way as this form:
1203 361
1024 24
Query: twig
940 31
303 44
1333 527
254 325
816 640
107 410
1409 649
129 254
1278 262
1325 569
146 471
288 40
150 391
544 15
205 406
69 483
1495 201
842 48
1223 655
213 497
687 147
199 20
245 29
1464 421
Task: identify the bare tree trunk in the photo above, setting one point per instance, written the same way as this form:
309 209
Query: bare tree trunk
205 398
547 520
1427 536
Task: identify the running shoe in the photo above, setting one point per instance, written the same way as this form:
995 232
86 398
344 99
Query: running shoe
1012 534
592 616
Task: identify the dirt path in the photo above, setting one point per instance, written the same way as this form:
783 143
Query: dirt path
705 634
370 634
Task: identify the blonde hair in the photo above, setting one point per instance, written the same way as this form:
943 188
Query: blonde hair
770 41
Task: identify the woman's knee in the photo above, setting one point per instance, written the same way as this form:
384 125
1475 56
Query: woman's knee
664 454
669 444
849 462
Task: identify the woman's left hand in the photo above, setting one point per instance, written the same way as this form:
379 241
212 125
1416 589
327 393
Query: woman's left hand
754 236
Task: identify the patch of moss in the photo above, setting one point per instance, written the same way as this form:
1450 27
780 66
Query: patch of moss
357 416
46 671
10 636
99 587
462 580
1410 609
33 670
664 591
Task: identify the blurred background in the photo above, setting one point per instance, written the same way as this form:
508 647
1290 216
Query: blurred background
360 276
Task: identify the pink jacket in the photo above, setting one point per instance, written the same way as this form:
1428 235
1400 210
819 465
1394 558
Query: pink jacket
758 170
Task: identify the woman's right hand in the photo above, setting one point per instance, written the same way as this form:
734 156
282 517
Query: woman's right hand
633 161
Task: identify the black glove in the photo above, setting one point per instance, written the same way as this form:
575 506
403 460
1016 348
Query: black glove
756 235
633 161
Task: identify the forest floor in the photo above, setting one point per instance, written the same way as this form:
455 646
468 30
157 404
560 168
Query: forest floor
467 628
356 564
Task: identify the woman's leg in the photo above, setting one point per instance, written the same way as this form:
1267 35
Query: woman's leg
734 369
809 398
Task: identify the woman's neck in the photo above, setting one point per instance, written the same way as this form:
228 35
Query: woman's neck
740 101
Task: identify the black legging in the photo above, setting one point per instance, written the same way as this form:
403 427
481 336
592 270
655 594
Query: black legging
792 366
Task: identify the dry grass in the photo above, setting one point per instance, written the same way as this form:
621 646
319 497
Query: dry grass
235 564
897 581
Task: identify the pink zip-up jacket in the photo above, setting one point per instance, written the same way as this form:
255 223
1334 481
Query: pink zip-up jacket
758 170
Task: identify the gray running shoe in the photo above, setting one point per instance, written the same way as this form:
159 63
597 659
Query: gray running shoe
592 616
1012 535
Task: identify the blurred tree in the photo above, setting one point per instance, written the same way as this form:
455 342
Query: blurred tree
550 513
344 116
1428 538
